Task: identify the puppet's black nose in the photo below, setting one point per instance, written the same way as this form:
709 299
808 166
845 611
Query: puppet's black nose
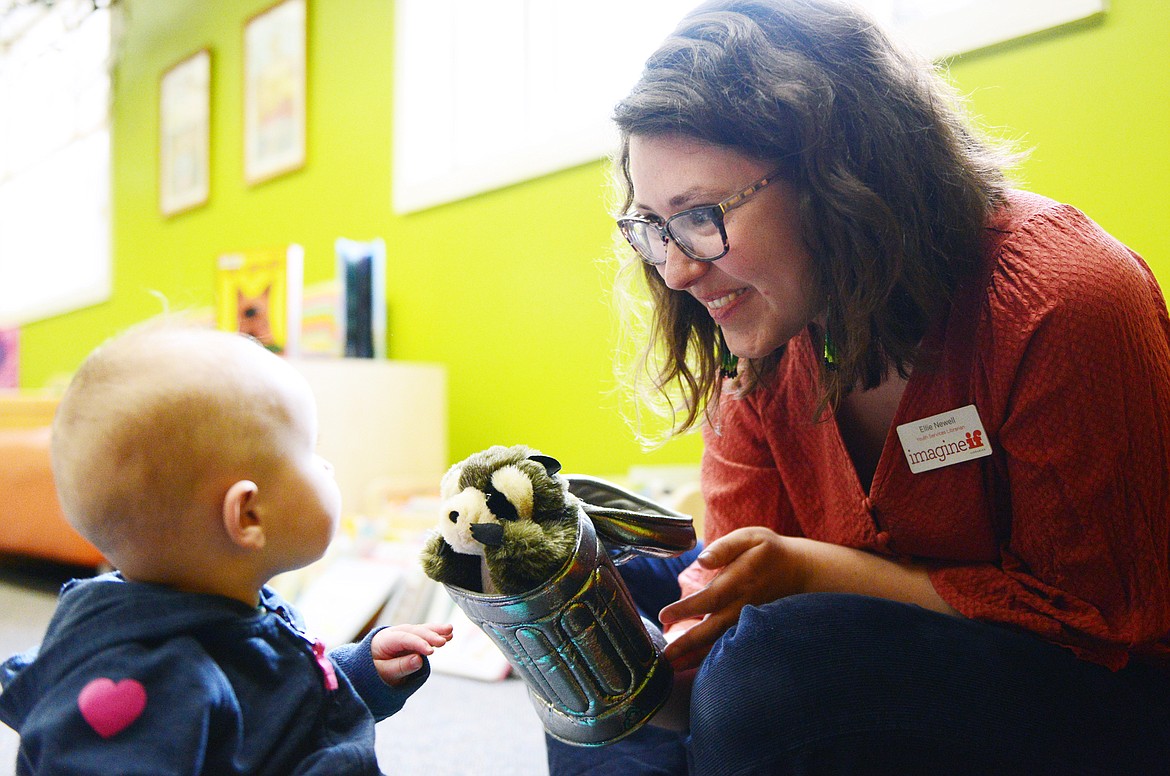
488 534
453 517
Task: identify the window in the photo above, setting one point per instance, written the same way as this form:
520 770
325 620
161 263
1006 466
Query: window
488 94
54 159
943 28
492 93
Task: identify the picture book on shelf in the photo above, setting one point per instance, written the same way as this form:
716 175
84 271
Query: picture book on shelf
320 320
258 292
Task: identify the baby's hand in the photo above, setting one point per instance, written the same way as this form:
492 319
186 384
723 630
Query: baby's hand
398 650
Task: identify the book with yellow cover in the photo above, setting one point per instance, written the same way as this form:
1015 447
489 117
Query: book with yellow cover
258 292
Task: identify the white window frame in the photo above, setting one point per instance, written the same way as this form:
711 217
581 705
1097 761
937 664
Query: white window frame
55 244
492 93
487 94
944 28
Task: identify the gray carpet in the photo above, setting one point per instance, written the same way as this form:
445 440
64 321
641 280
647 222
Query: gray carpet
452 726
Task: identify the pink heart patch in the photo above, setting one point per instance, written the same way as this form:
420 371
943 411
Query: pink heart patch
111 707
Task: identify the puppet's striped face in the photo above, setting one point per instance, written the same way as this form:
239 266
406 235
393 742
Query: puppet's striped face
469 507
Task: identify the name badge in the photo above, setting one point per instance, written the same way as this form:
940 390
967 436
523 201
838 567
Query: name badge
944 439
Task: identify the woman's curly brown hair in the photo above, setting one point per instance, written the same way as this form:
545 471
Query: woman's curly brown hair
895 186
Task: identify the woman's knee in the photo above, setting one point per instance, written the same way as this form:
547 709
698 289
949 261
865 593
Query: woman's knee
848 679
791 665
775 650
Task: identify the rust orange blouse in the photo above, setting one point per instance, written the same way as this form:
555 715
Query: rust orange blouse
1063 346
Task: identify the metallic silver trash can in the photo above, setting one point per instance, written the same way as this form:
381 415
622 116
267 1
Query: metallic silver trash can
593 665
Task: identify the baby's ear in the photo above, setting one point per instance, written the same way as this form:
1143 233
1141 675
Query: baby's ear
240 518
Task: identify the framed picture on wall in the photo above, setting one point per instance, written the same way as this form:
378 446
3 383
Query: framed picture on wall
274 91
184 129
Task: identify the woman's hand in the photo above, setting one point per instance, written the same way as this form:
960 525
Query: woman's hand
757 566
754 568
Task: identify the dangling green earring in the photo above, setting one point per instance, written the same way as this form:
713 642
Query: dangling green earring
829 353
728 361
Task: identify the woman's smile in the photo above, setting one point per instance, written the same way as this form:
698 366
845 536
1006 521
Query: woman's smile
723 307
723 301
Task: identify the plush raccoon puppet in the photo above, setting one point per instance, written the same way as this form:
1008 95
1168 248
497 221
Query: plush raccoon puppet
507 522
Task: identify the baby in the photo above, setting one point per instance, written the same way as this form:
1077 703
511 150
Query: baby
187 457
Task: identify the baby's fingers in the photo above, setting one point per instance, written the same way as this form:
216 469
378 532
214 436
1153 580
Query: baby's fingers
436 634
395 670
393 643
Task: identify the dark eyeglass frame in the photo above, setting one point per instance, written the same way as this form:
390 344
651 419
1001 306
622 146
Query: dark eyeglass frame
716 213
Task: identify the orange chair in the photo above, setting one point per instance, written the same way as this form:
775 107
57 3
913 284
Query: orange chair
31 521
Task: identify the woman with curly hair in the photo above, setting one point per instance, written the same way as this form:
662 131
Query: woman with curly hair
935 411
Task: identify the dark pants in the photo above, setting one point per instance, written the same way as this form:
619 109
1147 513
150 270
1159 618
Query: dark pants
827 683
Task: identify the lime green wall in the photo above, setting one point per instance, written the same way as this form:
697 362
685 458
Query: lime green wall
505 288
1092 101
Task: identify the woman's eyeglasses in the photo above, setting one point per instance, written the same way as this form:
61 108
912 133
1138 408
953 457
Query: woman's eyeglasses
698 232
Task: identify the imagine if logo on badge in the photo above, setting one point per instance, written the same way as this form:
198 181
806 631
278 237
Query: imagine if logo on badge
944 439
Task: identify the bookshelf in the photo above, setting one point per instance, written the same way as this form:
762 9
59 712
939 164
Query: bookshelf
383 424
